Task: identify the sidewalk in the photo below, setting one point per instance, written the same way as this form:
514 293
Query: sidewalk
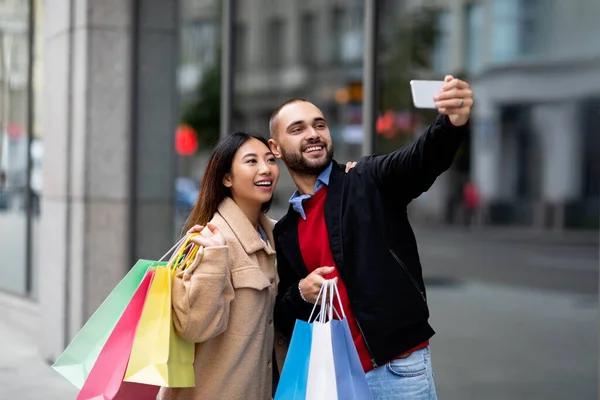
497 342
23 374
493 342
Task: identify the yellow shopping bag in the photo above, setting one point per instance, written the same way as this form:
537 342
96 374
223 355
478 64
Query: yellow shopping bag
159 356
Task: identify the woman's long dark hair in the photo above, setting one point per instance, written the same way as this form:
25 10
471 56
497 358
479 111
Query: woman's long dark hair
212 190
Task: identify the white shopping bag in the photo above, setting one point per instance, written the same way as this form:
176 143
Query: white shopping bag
321 369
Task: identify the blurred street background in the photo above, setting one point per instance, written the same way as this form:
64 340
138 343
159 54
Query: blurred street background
110 109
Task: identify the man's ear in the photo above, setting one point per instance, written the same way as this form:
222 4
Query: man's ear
274 146
227 181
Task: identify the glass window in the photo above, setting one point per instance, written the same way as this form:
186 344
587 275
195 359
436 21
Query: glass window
241 47
338 28
529 28
474 34
276 43
515 29
308 29
199 92
505 31
441 51
37 145
15 136
589 115
198 41
411 41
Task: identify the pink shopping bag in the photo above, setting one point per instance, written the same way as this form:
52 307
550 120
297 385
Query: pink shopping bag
105 380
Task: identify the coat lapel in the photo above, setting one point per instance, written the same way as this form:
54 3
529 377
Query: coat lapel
286 232
243 229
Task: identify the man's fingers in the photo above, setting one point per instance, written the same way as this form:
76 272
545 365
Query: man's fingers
454 103
448 78
324 270
455 84
454 94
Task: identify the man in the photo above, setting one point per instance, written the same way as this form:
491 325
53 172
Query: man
3 194
353 227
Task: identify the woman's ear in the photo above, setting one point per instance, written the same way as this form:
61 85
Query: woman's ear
227 181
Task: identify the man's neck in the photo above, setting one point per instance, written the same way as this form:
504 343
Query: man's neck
304 183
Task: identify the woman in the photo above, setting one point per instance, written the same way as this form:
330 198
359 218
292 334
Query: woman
224 301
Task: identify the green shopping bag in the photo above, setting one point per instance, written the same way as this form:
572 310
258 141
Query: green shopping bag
76 362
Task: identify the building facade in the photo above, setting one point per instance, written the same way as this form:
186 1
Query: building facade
536 151
534 66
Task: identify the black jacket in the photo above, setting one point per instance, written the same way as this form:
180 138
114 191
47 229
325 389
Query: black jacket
372 242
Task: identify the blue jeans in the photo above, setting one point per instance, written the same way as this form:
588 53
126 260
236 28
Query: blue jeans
409 378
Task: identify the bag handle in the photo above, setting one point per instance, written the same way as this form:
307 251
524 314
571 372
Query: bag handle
331 295
326 301
189 258
332 308
325 310
315 306
175 246
337 293
176 257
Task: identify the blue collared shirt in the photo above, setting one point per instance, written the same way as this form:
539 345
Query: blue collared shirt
297 199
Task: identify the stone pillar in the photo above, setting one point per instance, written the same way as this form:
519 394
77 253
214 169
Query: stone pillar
109 115
486 151
561 141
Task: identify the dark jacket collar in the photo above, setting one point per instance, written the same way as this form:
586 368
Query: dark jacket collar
286 230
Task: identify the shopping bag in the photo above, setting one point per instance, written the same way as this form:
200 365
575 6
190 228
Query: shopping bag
294 375
105 380
79 357
159 356
321 368
350 377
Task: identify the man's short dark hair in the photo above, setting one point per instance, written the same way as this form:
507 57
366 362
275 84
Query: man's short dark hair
272 120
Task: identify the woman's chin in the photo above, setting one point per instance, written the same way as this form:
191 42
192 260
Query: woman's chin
265 199
260 199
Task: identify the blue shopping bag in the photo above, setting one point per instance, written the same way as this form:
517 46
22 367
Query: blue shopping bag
349 374
294 376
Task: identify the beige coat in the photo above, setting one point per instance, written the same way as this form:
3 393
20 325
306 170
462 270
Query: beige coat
224 303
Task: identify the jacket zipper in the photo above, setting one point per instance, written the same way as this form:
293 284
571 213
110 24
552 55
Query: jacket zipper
414 282
373 362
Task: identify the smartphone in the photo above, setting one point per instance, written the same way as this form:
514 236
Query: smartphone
423 92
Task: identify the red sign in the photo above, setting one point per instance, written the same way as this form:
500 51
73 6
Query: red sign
186 140
14 130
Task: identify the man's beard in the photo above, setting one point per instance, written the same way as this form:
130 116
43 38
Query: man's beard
298 164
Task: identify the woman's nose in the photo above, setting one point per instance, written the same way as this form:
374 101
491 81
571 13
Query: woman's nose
264 169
